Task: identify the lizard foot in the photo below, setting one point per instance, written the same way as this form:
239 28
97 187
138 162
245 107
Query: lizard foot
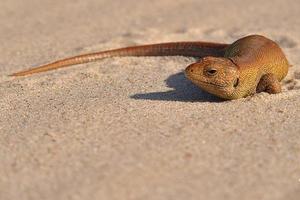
269 83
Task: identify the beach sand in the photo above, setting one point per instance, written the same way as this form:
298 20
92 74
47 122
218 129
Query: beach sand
135 128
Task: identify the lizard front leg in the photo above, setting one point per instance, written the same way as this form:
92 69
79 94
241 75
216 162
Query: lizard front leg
269 83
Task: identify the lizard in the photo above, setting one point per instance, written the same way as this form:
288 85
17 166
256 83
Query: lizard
249 65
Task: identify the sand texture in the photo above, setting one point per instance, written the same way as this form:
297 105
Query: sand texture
135 128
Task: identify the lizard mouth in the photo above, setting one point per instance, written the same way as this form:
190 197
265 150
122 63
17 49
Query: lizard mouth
214 84
207 83
196 80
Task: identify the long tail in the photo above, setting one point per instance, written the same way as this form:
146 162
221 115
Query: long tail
192 49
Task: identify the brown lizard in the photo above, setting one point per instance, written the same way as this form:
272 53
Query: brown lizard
249 65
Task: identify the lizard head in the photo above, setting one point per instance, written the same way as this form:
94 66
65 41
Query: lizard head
218 76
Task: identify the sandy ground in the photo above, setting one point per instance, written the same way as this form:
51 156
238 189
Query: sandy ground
135 128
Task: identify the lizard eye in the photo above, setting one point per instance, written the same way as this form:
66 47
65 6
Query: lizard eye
211 72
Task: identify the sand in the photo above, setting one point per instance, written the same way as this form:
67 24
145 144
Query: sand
135 128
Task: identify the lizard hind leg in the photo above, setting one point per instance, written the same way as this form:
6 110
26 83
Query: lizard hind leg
269 83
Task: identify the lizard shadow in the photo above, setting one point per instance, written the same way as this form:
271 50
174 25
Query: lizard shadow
184 91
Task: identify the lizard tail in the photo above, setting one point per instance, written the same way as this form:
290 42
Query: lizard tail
192 49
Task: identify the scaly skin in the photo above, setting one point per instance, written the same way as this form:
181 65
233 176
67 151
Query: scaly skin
249 65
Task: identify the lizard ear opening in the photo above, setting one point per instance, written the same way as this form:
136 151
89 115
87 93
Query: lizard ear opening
236 82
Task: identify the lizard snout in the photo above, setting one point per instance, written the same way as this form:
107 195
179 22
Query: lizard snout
190 69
